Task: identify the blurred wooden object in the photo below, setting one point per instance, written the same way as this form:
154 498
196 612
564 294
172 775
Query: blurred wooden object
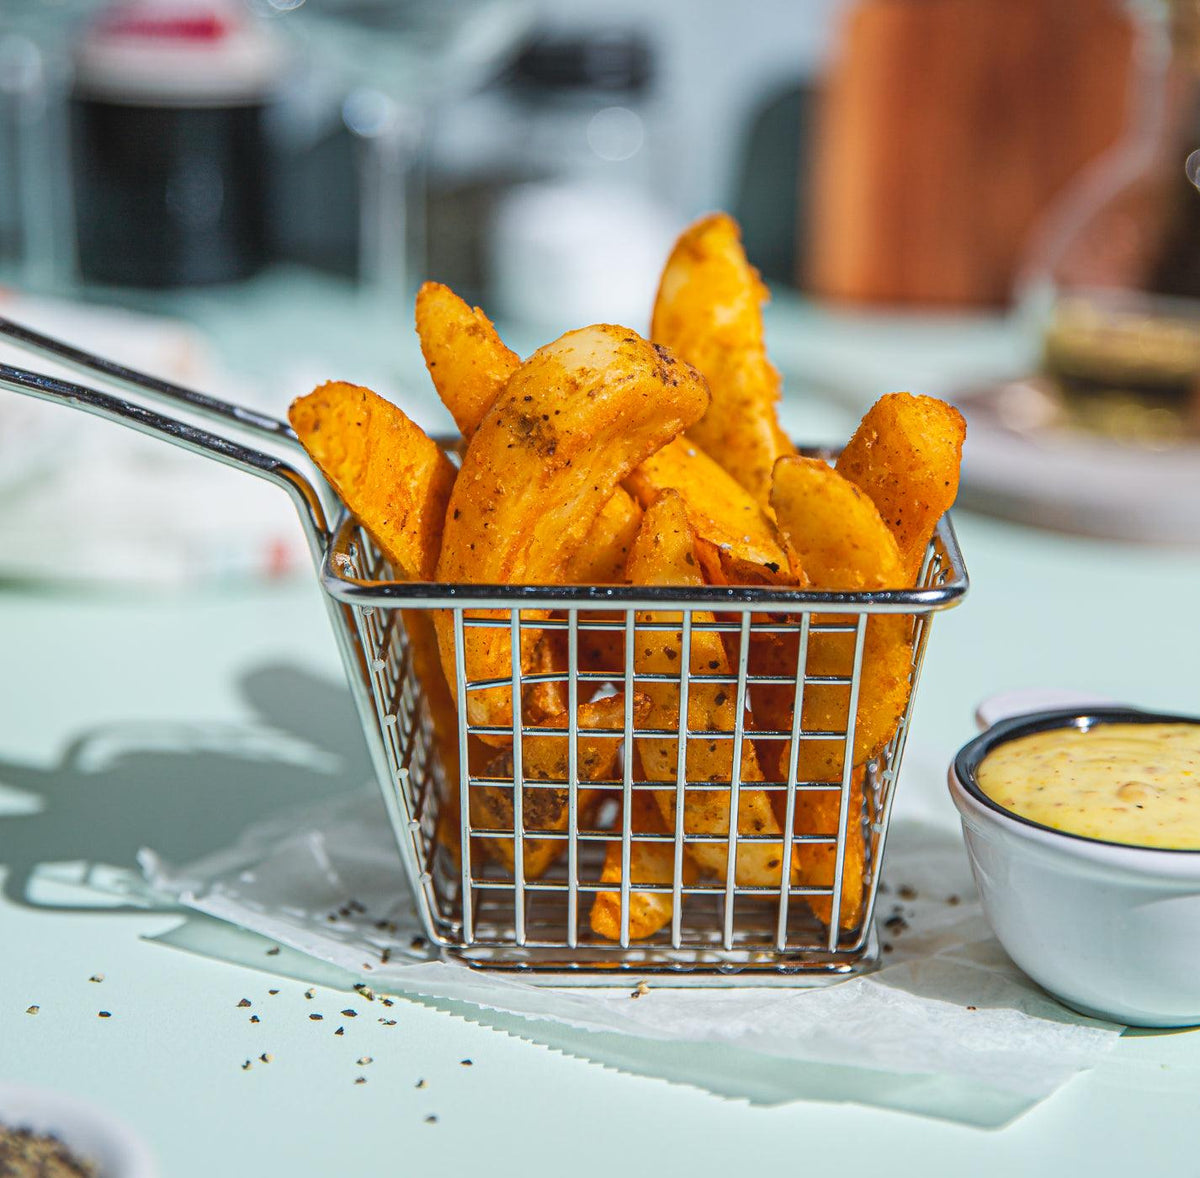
946 127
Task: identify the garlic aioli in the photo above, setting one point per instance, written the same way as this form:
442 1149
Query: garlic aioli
1137 784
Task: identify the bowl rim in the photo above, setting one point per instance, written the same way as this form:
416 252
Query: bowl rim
968 759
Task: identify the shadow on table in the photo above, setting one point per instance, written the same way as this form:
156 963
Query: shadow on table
184 789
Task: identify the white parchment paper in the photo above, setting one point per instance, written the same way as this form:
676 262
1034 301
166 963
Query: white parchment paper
948 1002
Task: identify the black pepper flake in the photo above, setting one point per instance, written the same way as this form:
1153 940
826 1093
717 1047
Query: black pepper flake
467 1063
273 952
104 1014
360 1079
96 977
316 1018
886 947
363 1060
907 893
953 900
266 1057
349 1013
385 956
388 1022
272 991
387 1002
246 1066
309 993
244 1002
972 1007
32 1009
365 991
419 1084
340 1031
255 1019
431 1119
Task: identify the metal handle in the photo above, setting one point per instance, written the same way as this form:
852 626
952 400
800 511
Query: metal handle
177 396
188 437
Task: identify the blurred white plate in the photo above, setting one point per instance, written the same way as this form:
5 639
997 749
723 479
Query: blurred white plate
1076 482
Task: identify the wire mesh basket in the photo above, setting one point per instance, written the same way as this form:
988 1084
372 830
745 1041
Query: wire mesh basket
588 852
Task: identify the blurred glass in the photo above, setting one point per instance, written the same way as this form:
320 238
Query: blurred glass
397 60
1113 272
36 240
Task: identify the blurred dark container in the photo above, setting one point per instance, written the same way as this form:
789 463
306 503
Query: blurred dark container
169 154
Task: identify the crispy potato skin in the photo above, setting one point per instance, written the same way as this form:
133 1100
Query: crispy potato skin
545 758
649 863
664 555
729 523
709 310
602 557
571 423
394 479
466 357
843 544
906 455
396 482
470 365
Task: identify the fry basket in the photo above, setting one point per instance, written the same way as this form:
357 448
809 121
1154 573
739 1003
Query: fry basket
471 866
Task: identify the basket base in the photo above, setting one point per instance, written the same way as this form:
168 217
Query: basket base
668 969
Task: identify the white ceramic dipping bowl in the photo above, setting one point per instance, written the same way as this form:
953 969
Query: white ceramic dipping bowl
1111 930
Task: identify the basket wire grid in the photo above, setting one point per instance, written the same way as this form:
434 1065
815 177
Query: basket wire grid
485 908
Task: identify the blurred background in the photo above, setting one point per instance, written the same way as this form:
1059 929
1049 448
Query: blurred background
984 200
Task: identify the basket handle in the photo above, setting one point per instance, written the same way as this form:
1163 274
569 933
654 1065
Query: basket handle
188 437
173 395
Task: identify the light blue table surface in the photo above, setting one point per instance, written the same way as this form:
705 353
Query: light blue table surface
138 719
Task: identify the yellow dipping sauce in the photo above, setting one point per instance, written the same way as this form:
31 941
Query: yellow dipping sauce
1125 783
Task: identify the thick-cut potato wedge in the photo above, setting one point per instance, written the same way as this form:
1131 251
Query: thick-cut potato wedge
394 479
725 517
602 557
649 863
396 482
818 813
545 758
466 358
664 555
843 544
470 365
835 529
709 310
571 423
906 455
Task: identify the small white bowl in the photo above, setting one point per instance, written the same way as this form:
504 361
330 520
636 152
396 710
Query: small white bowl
84 1129
1111 930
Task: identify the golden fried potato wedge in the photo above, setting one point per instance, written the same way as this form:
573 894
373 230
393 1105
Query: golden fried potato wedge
470 365
602 557
571 423
664 554
394 479
466 357
819 813
726 518
396 482
649 863
545 758
906 455
843 544
709 310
